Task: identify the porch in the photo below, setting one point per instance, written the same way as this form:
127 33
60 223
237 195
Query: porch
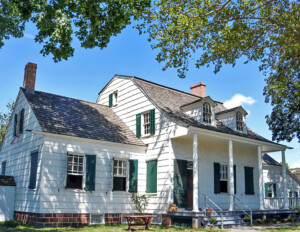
239 171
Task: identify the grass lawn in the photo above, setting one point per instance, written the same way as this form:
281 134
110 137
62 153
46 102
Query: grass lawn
100 228
287 228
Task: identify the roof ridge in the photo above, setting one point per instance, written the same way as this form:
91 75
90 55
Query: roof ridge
57 95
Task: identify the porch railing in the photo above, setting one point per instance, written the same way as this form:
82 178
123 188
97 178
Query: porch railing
278 202
238 202
206 199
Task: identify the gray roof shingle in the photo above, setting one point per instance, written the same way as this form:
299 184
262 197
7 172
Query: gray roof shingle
269 160
170 101
67 116
7 181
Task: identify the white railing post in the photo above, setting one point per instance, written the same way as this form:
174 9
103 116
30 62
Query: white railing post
195 174
231 179
260 179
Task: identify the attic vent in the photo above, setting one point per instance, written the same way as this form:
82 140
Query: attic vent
96 219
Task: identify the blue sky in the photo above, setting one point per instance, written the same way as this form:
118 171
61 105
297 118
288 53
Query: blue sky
85 74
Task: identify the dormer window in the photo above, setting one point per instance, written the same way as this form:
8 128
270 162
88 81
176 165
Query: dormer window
19 123
206 113
239 121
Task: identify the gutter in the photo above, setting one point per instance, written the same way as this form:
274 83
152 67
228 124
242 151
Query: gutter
107 143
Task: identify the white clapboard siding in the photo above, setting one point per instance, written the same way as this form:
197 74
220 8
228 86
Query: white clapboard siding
18 156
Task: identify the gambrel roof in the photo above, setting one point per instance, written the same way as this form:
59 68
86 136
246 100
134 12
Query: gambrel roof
72 117
170 101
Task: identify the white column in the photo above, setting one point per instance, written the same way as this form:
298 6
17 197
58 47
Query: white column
195 174
230 177
285 193
260 179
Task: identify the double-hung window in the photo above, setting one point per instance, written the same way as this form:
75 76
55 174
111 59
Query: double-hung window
270 190
207 113
19 122
239 121
75 171
120 174
223 178
146 117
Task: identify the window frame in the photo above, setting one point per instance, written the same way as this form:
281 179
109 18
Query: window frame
146 124
76 174
271 187
115 98
239 122
207 113
223 176
126 176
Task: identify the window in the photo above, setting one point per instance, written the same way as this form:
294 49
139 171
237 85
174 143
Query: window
239 121
120 173
146 124
270 190
19 123
75 171
96 219
206 113
115 98
223 178
3 168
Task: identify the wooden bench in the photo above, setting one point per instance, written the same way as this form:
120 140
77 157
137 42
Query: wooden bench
145 218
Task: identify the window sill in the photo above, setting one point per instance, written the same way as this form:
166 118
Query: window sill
146 136
151 194
75 190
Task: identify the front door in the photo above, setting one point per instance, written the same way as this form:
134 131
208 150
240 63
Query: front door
183 184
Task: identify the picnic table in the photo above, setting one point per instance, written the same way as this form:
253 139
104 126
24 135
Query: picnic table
133 218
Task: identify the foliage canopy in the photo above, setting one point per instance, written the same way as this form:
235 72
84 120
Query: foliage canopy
4 119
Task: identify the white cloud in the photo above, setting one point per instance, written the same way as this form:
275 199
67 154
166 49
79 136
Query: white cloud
29 36
295 164
238 100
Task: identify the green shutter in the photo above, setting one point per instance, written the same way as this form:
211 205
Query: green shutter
90 173
180 183
274 189
21 121
249 182
133 175
216 178
33 170
110 100
15 125
152 121
290 194
151 185
266 189
234 176
138 125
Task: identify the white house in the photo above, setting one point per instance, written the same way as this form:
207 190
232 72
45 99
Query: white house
76 162
272 172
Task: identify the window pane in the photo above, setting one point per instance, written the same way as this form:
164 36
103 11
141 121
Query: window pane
74 182
116 171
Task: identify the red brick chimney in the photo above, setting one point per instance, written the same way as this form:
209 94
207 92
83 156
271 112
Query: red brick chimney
29 76
198 89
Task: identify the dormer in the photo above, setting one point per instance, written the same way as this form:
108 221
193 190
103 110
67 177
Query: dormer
234 118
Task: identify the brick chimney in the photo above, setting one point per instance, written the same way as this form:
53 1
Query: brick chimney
29 75
198 89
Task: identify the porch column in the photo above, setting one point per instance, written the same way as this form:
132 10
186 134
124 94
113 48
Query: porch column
195 174
260 179
285 193
230 177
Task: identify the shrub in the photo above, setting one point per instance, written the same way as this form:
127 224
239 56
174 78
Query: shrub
247 219
295 219
13 223
213 220
267 221
274 221
258 222
297 211
282 220
140 202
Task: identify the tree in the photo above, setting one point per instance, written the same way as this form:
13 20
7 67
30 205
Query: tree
218 32
286 165
4 119
92 22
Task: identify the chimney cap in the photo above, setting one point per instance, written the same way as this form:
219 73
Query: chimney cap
198 85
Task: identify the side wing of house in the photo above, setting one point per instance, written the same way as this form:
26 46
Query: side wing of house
273 187
20 156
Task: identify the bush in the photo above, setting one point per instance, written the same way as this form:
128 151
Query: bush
295 219
258 222
213 220
267 221
282 220
13 223
274 221
247 219
297 211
